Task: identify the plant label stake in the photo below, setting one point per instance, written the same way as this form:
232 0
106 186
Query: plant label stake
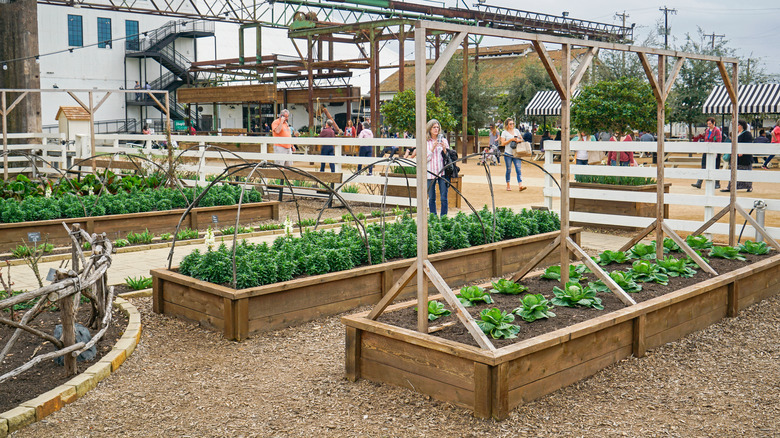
214 219
34 237
51 276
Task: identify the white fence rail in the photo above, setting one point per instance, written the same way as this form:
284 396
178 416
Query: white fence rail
707 199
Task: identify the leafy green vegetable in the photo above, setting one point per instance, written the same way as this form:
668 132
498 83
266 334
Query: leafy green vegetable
575 272
470 295
165 236
751 247
698 242
25 251
645 272
607 257
624 279
497 324
436 310
642 251
535 306
676 268
508 287
186 234
670 245
726 252
138 283
575 295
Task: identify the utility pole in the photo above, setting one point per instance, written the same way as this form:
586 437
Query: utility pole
623 16
713 36
666 12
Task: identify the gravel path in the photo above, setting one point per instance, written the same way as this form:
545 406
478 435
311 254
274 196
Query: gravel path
186 381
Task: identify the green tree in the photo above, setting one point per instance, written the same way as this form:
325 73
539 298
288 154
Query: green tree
616 106
481 97
400 112
532 78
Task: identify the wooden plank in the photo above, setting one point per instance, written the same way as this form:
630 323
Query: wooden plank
483 390
638 345
757 287
687 249
603 276
157 295
227 94
732 308
700 322
353 344
537 258
198 301
675 314
241 314
393 292
432 364
500 402
460 312
497 262
638 237
208 321
554 382
229 331
292 318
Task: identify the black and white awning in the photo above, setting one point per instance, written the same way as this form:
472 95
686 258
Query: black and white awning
546 103
753 99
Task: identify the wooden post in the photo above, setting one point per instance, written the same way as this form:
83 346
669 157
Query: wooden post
732 308
92 131
465 100
310 60
659 203
5 135
420 135
167 107
733 165
639 347
401 38
565 129
67 310
352 354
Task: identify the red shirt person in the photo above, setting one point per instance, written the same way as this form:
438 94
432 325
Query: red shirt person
711 135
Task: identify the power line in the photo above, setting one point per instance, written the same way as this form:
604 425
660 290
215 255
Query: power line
666 12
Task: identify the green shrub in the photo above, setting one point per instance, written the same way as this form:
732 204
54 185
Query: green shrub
186 234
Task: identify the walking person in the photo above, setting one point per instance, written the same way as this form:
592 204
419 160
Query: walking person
711 135
281 128
625 158
137 87
744 161
366 151
436 144
775 141
328 149
509 139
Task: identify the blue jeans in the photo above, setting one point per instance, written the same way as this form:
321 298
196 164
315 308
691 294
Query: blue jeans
508 160
768 160
443 184
328 150
622 163
366 151
582 162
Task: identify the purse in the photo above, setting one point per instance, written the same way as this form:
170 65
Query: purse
523 149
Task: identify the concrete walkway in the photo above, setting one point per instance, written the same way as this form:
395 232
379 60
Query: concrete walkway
139 263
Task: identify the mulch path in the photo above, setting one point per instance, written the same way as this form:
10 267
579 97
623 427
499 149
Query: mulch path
46 375
565 316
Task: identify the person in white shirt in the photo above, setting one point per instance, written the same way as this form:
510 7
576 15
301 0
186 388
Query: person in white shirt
509 139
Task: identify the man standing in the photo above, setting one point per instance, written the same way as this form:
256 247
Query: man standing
280 128
327 149
711 135
137 87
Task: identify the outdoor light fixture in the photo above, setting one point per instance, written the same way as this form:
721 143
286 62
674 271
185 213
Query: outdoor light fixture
70 50
564 14
5 66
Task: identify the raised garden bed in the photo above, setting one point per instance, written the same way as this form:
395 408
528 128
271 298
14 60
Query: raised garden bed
239 313
118 225
493 383
622 208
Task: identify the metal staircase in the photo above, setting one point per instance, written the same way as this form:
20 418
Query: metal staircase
159 45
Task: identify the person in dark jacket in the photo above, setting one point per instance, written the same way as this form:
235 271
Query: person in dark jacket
744 161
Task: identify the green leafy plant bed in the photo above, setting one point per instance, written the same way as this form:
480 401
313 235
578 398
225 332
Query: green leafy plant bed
618 208
119 225
567 340
239 312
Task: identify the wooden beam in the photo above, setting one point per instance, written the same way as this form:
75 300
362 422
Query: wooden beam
101 101
438 67
733 164
83 105
657 91
16 102
603 276
550 67
583 67
711 222
460 311
687 249
628 245
565 128
659 168
727 81
391 294
672 76
421 105
537 259
758 227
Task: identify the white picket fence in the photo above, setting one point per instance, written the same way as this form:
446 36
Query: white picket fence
210 160
709 199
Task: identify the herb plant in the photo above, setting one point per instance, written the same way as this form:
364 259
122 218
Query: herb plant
646 272
165 236
25 251
140 238
751 247
535 306
186 234
139 283
121 243
508 287
473 295
574 295
726 252
498 324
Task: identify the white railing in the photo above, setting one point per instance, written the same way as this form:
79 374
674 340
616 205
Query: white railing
708 199
43 146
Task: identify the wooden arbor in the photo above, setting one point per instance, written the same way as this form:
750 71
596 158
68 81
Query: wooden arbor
564 83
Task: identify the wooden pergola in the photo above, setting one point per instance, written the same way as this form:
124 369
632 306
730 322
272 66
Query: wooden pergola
564 82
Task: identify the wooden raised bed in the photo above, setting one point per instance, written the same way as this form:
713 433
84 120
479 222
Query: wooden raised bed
239 313
118 225
621 208
494 383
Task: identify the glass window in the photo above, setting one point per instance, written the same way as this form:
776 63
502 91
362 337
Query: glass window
75 31
104 33
131 32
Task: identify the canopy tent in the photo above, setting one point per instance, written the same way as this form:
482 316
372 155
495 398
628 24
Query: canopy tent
753 99
546 103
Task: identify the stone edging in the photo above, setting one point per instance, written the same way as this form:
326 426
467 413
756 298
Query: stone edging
53 400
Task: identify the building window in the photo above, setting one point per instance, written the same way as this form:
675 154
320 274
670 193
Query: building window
131 32
75 31
104 32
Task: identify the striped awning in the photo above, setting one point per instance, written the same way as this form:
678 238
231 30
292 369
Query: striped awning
546 103
753 99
